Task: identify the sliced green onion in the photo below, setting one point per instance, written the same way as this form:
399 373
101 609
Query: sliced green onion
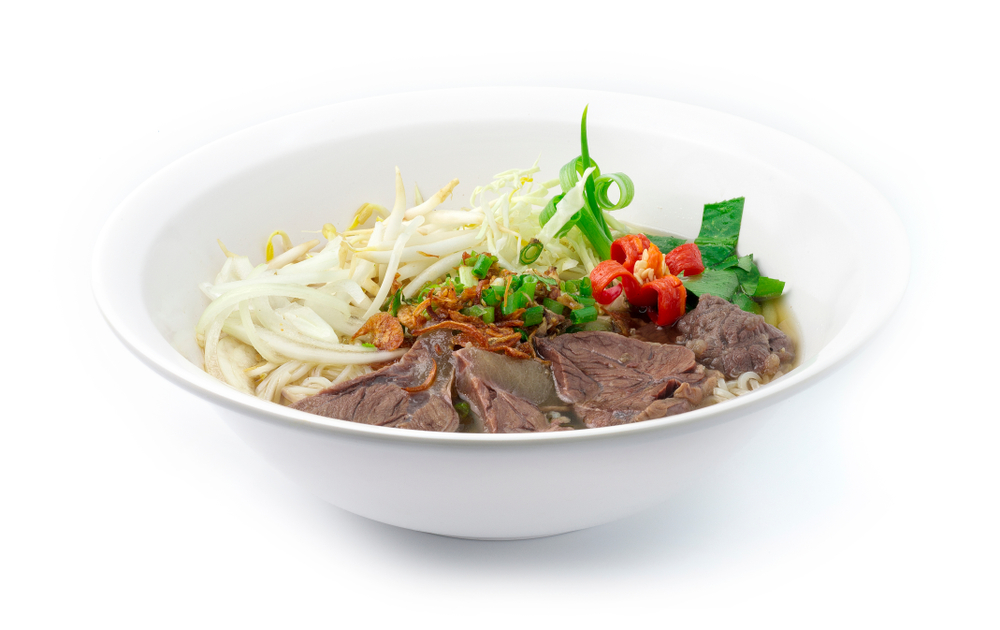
570 286
425 291
534 316
554 306
471 260
583 315
482 266
599 227
463 408
585 288
484 313
571 171
393 303
465 275
527 287
550 208
531 252
586 301
491 295
626 190
552 282
514 302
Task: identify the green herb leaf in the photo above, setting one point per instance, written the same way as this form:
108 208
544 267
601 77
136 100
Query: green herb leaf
746 303
746 263
768 288
746 270
720 231
666 244
721 283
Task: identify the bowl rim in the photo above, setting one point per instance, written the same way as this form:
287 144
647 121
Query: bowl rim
201 384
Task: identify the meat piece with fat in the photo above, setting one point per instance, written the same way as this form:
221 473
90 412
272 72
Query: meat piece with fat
413 393
507 395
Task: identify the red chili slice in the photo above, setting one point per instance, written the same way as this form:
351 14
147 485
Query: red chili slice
628 249
685 258
669 295
604 273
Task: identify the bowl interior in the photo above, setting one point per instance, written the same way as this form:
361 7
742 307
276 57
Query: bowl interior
807 217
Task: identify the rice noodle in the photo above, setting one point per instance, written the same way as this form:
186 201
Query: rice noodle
281 329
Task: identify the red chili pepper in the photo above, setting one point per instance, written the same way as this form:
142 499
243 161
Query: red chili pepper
665 297
669 295
602 276
685 258
608 295
628 249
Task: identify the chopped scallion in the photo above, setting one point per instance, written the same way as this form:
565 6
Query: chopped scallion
514 302
531 252
482 266
492 295
528 284
534 316
583 315
465 275
554 306
484 313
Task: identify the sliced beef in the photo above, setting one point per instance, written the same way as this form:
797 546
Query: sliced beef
726 338
649 331
508 395
414 393
610 379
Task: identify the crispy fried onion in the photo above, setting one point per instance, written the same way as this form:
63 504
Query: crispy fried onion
441 310
385 331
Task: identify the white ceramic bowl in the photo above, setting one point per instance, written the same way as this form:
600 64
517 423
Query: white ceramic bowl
809 220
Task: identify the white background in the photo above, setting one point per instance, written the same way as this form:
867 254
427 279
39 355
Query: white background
127 503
